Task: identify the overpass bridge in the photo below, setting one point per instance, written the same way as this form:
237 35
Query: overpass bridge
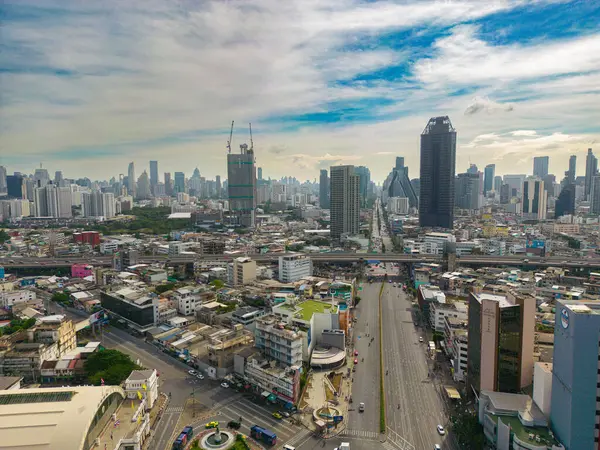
470 260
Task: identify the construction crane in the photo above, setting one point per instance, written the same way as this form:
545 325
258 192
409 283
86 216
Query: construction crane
251 142
230 136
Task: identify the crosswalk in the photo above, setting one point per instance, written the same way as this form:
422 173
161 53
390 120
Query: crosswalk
298 438
361 434
253 414
174 410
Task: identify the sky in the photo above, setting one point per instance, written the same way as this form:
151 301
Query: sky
88 86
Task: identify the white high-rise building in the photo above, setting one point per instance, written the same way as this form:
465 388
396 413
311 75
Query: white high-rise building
534 199
98 204
294 267
3 186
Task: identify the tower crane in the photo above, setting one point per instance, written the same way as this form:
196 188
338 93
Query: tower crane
251 142
230 136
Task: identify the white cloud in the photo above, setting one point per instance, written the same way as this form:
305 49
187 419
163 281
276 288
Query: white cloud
484 104
524 133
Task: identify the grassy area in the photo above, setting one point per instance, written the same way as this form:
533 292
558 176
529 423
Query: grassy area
381 374
309 307
329 395
337 381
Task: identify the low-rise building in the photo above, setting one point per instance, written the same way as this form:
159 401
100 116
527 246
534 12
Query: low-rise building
439 311
456 342
282 382
143 385
138 308
241 271
247 315
294 267
278 341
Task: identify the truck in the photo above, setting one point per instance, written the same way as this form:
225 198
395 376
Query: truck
263 435
183 439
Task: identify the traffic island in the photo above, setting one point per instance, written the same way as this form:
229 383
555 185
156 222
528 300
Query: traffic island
381 374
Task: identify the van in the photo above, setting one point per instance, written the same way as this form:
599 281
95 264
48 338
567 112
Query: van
361 407
288 447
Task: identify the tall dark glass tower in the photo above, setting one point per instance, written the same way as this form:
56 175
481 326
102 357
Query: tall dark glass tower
324 189
438 164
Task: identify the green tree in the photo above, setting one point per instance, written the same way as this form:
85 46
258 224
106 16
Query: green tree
468 431
60 297
164 288
217 284
4 236
110 365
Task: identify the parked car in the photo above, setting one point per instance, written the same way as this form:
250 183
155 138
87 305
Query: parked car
224 385
277 415
192 372
440 430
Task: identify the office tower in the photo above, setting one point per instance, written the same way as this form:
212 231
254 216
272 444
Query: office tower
364 181
438 161
488 183
179 184
168 184
574 411
398 184
153 175
501 341
195 184
58 178
540 166
505 194
218 187
41 177
516 183
344 201
565 204
534 199
467 191
3 186
241 177
591 168
131 188
572 168
260 173
324 189
16 186
143 186
595 195
549 182
473 169
497 184
416 185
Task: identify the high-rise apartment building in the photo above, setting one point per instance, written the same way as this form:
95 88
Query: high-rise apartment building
218 187
488 182
534 199
467 191
591 169
241 179
574 412
131 184
324 189
344 201
52 201
3 185
501 341
505 194
438 164
153 175
540 166
364 183
98 204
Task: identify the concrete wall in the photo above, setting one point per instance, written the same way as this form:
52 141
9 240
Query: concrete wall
333 338
542 388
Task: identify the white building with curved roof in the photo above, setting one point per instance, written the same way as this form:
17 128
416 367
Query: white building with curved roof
68 418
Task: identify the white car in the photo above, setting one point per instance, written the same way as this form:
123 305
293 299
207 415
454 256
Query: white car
440 430
200 376
192 372
437 447
225 385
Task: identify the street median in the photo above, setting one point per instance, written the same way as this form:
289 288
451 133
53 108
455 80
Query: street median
381 373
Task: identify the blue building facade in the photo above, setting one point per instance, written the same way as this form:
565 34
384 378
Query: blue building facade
576 375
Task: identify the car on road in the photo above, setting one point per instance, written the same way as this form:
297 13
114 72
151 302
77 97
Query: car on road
355 360
355 352
420 338
437 447
192 372
284 413
277 415
200 376
234 424
213 424
361 407
224 385
440 430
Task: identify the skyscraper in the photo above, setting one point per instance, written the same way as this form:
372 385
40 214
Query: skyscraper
540 166
58 178
324 189
344 201
143 186
41 177
488 183
534 199
168 184
179 184
153 175
398 184
501 340
497 183
565 204
572 169
241 177
574 412
591 168
218 186
16 186
438 163
3 186
52 201
467 191
260 173
363 184
131 188
595 195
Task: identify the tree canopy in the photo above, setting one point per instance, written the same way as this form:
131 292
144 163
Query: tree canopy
4 236
109 365
468 431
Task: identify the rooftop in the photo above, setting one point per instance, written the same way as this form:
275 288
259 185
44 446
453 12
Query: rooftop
523 432
501 299
305 310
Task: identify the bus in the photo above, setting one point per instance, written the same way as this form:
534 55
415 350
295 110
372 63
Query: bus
183 439
264 435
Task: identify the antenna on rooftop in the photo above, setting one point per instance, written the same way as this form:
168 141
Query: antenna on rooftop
230 136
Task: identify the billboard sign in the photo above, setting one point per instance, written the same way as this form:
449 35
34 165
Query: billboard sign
564 318
534 243
96 317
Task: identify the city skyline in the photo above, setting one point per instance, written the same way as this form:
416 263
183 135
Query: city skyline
352 81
